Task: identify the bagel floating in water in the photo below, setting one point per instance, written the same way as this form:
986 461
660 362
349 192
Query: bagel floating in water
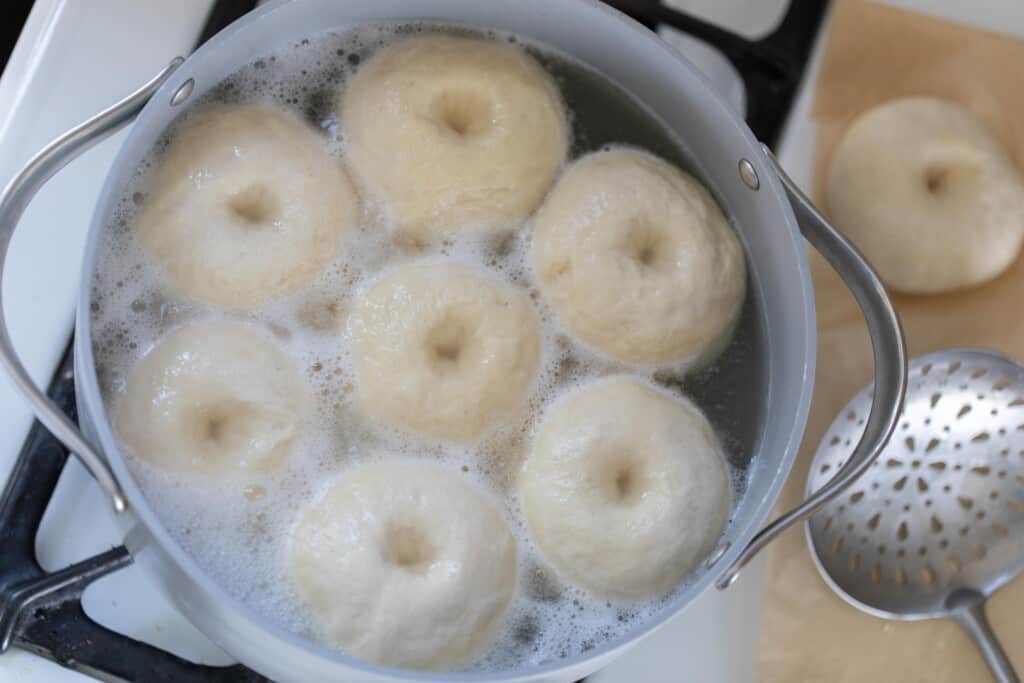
442 349
212 396
405 564
625 489
246 206
637 260
451 133
929 195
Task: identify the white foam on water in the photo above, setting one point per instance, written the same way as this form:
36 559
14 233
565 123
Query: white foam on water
237 529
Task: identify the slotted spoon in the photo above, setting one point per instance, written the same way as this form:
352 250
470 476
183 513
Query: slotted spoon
936 524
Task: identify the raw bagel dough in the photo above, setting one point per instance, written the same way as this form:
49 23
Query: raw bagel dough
213 396
625 489
929 195
442 349
450 132
405 564
246 206
637 260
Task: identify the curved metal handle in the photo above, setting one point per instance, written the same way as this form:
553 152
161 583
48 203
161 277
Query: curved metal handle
13 202
890 354
969 611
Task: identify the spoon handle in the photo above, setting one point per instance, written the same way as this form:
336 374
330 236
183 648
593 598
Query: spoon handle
972 618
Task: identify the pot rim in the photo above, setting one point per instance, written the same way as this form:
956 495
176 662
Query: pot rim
88 386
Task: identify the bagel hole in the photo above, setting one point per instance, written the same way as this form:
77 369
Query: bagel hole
623 483
255 206
462 112
448 351
446 343
232 424
215 429
645 246
219 425
943 178
627 483
405 546
935 179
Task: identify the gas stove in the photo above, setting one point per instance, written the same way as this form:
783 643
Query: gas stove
71 604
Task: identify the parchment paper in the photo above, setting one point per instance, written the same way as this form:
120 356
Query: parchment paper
875 53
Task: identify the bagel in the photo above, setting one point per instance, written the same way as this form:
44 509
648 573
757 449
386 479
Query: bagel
448 133
625 489
405 564
246 206
212 396
929 195
637 260
442 349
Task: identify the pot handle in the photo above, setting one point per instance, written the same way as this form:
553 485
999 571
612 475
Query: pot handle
13 202
890 355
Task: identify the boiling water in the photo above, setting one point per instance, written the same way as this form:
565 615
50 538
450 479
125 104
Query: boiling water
237 531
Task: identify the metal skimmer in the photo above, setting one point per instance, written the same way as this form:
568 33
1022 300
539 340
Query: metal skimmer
936 525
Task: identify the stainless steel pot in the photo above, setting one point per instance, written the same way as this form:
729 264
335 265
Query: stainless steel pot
769 211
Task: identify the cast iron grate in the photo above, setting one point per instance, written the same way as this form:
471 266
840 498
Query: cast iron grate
42 612
771 67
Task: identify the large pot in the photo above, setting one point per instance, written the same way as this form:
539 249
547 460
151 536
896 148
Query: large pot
769 213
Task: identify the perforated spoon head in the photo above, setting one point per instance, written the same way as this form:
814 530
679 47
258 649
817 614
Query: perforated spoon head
942 509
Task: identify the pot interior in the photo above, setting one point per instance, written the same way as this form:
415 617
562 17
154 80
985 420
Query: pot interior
764 417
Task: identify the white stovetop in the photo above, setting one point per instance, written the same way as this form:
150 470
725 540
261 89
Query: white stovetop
75 57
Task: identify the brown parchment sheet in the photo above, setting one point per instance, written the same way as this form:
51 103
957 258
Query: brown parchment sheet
874 53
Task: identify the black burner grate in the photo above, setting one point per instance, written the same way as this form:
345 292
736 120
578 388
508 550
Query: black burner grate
15 15
771 67
42 612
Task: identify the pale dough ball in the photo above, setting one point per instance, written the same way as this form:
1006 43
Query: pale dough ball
212 396
626 488
246 205
637 260
405 564
443 349
928 194
452 133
